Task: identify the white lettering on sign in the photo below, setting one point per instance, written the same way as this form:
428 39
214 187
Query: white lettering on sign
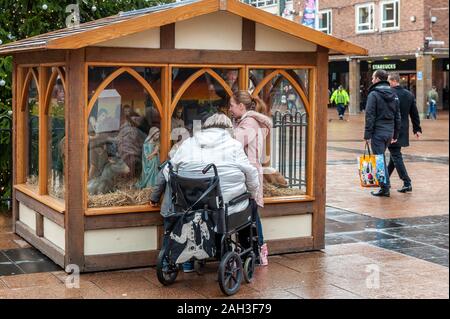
384 66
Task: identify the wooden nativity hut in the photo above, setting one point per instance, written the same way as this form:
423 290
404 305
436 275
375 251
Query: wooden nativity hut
95 105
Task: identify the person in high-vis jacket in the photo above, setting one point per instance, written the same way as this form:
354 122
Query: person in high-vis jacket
340 98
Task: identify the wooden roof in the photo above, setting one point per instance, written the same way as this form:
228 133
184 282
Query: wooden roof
122 24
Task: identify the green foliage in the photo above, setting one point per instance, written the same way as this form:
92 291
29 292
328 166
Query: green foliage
20 19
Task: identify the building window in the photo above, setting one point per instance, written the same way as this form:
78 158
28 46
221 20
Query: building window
325 21
263 3
364 18
390 15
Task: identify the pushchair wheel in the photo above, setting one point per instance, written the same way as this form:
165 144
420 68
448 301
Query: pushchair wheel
166 270
230 273
249 267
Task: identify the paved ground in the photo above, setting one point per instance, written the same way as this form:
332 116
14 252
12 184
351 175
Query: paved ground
375 247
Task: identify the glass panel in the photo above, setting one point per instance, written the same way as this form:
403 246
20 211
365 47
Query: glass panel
388 12
123 151
363 15
153 77
32 117
96 75
302 77
285 164
230 76
56 139
202 98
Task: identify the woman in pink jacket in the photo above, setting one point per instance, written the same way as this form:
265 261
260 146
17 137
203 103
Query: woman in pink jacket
251 128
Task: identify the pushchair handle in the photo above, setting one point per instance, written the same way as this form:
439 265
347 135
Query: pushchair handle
208 167
164 164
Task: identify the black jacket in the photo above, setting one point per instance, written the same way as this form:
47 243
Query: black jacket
408 108
382 112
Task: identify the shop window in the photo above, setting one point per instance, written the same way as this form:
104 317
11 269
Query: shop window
390 15
365 18
284 159
325 21
56 133
124 125
31 113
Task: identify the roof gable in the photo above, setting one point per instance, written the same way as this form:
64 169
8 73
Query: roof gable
95 32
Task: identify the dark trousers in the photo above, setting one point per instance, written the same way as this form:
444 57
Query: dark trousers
379 144
341 109
396 162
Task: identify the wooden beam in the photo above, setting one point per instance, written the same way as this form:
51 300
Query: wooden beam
75 166
167 36
39 225
122 221
39 57
44 245
290 245
120 260
248 35
134 25
277 210
187 56
41 208
165 139
320 147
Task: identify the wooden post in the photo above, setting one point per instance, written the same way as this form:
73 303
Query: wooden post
165 116
319 120
75 166
43 172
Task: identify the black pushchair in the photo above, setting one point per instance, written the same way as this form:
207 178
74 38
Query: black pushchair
202 230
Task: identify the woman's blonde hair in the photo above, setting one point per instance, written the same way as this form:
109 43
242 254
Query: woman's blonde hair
251 103
218 120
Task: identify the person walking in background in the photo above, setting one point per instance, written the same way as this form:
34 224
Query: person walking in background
433 99
408 109
382 121
340 98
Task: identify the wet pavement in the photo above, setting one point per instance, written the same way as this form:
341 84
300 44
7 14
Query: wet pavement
393 247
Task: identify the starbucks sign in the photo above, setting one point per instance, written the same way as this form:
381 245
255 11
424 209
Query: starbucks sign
390 66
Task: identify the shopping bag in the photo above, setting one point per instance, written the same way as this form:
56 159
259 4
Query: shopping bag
367 167
380 169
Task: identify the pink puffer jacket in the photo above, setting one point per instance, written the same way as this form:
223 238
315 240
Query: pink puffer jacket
251 130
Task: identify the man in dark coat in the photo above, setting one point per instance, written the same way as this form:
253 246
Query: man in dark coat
408 108
382 121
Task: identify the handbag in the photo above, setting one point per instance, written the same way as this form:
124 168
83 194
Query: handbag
367 168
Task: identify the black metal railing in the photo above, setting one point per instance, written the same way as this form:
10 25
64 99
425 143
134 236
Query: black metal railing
289 146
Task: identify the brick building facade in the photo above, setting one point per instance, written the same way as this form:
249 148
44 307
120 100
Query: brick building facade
408 36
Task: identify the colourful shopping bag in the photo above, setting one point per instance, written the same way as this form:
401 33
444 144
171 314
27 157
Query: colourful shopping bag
367 167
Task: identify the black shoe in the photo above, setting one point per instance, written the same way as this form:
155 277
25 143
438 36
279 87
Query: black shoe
405 189
382 192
